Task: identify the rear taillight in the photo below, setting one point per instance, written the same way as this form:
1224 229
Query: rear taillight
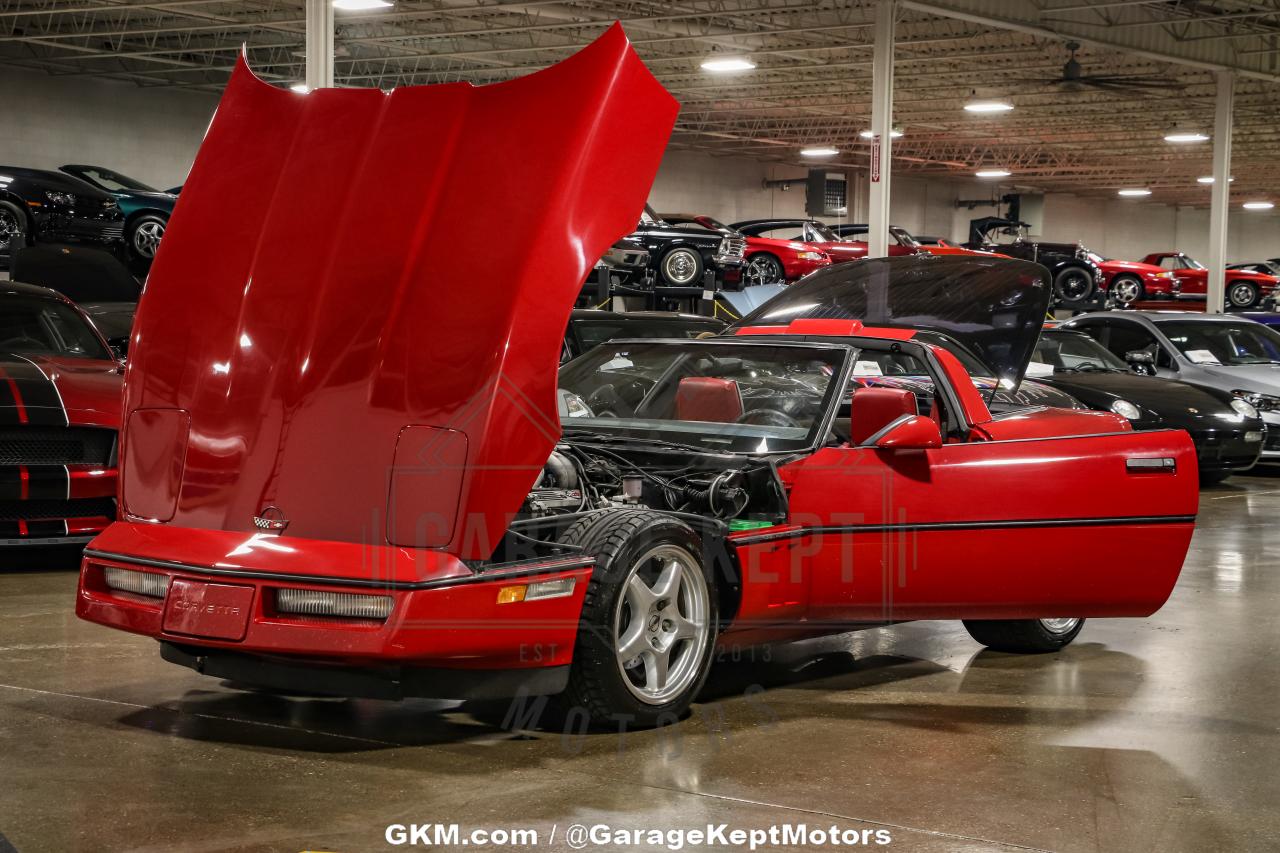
348 605
150 584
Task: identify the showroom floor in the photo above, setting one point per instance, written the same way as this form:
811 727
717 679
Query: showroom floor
1156 734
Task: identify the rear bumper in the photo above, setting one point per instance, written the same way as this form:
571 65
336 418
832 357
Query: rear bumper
443 615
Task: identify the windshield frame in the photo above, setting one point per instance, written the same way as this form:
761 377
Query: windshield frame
127 183
824 232
820 429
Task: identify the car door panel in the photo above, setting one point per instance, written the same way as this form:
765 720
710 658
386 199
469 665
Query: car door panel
997 529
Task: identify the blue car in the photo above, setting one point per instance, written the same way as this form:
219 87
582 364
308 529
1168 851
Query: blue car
146 210
1266 318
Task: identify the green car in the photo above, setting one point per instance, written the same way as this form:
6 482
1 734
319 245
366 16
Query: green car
146 209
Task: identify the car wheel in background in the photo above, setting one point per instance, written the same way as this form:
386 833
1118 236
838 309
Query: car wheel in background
681 268
647 633
1127 289
144 236
1024 635
764 269
13 223
1242 294
1073 284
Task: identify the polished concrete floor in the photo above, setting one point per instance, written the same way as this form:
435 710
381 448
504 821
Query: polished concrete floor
1145 735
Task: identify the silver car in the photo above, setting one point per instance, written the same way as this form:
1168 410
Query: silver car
1215 350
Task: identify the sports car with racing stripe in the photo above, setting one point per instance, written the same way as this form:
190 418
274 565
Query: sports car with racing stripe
346 474
59 416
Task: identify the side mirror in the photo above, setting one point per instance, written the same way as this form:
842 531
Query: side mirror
910 432
1141 361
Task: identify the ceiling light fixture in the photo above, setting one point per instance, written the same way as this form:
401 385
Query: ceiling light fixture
987 105
361 5
1183 135
827 151
992 173
1133 193
1258 205
893 134
300 88
727 64
1208 179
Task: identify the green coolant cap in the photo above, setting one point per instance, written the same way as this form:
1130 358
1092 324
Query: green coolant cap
747 524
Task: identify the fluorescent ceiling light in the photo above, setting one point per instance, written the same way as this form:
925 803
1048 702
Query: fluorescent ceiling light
1182 135
988 106
1208 179
992 173
1258 205
733 63
300 88
893 134
1134 192
360 5
819 152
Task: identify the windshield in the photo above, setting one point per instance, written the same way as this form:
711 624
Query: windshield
1224 343
595 332
713 396
823 233
1068 351
39 326
111 181
1186 262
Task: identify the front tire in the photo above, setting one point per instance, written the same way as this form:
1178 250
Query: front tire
681 267
648 626
1024 636
764 269
1073 284
1127 289
1242 294
13 223
144 236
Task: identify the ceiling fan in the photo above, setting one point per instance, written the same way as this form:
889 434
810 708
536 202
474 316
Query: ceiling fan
1074 80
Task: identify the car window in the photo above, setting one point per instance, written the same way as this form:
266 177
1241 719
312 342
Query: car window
1124 338
1067 351
114 181
1210 342
39 326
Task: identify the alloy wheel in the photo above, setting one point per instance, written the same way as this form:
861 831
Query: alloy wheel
1241 295
763 270
661 624
146 238
9 228
1062 625
1127 290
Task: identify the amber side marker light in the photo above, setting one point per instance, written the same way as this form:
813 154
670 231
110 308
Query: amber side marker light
558 588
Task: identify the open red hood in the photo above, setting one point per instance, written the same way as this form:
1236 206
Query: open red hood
330 329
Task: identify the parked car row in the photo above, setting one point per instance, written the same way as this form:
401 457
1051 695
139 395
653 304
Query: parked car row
80 203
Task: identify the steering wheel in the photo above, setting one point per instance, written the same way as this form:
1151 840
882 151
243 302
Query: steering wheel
767 417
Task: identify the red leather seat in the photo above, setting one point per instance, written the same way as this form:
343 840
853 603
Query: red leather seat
704 398
873 409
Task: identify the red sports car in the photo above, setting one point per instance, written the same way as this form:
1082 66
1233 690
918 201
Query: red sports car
345 474
1131 281
816 234
59 417
768 260
1245 288
905 243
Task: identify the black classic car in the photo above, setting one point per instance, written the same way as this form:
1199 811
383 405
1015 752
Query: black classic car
1075 277
38 205
680 255
1227 431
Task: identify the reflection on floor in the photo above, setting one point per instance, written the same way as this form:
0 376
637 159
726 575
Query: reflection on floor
1157 734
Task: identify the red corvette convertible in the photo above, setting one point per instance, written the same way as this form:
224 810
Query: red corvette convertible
344 474
59 416
1244 288
1131 281
768 260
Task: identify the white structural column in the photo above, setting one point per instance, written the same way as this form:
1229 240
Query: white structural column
881 127
319 44
1220 204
